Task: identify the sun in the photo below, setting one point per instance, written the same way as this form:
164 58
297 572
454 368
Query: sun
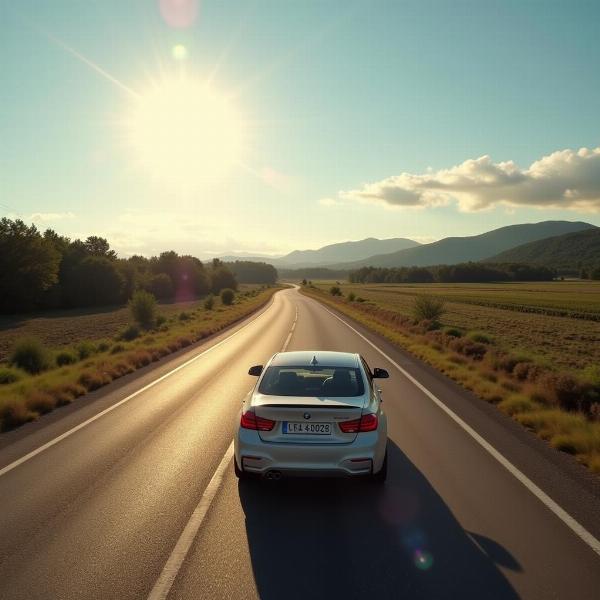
185 132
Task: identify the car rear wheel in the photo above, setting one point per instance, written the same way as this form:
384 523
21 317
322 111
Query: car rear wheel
381 475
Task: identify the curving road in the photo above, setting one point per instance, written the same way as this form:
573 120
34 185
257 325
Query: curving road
130 493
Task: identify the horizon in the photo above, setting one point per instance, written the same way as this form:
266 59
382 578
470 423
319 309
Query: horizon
128 141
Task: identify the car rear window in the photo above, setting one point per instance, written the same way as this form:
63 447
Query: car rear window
332 382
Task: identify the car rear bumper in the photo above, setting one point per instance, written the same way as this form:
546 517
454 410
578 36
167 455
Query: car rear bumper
361 457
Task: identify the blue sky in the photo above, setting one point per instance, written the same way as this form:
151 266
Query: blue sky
337 100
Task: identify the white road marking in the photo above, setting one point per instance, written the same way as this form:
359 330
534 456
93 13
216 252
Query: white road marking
563 515
66 434
289 337
164 583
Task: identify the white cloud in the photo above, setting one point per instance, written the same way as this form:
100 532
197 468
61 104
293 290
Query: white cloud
330 202
567 179
49 217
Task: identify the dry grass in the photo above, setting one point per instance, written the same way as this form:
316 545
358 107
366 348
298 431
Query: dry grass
33 395
512 314
559 405
70 328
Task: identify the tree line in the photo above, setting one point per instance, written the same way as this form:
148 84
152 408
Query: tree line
46 270
462 273
246 271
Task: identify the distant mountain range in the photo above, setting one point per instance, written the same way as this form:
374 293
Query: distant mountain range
333 253
570 251
514 243
452 250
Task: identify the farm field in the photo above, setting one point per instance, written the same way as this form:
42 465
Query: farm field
541 369
522 317
51 376
68 327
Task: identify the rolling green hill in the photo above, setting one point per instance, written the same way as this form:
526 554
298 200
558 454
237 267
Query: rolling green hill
454 250
571 251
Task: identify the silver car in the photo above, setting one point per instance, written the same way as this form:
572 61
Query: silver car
313 413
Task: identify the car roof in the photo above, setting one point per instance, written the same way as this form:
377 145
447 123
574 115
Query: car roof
323 358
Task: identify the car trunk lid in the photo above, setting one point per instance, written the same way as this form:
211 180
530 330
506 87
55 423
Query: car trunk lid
303 420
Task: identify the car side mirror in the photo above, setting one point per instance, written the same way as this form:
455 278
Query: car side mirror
380 374
256 370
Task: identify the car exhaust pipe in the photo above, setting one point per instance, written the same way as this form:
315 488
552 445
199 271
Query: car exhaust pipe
273 475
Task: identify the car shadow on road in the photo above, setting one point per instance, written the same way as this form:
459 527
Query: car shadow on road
352 539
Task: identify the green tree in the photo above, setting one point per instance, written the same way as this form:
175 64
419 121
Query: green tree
28 266
98 246
160 285
221 277
95 281
227 296
143 308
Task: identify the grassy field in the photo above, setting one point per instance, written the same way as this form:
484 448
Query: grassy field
59 328
506 343
512 313
101 355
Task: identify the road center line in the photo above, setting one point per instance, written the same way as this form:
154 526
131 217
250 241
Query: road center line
289 337
562 514
165 581
66 434
163 585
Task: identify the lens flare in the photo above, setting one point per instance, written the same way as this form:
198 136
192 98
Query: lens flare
179 14
179 52
423 560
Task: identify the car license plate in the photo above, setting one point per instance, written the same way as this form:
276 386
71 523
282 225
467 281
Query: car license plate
307 428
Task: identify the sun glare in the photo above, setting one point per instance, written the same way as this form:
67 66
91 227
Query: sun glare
185 133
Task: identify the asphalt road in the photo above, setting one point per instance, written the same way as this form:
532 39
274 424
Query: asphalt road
99 512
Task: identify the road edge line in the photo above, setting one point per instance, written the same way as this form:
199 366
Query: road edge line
555 508
26 457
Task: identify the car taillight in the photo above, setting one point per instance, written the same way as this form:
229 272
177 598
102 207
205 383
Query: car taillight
250 421
365 423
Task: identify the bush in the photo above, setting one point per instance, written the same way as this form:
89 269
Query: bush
517 404
565 390
13 414
92 380
428 308
351 297
527 371
335 290
184 316
30 355
8 375
129 333
227 296
453 332
139 358
360 299
117 348
209 302
66 357
160 320
85 350
40 402
143 308
66 393
102 347
481 338
468 348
